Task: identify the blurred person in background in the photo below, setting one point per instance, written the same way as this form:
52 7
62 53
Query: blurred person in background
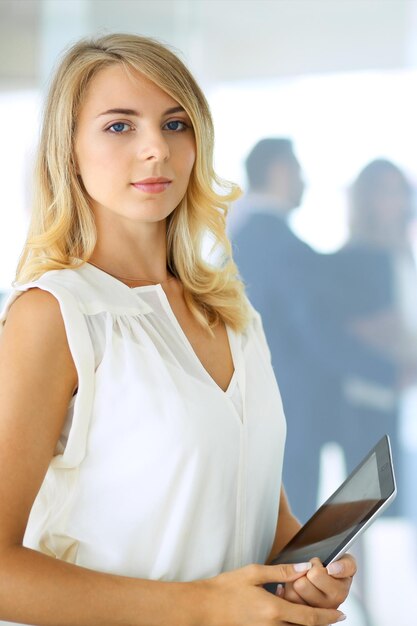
288 283
378 302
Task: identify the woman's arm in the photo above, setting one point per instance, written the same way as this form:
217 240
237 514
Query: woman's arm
287 526
37 381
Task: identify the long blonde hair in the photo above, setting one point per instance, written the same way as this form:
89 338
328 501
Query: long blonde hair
62 232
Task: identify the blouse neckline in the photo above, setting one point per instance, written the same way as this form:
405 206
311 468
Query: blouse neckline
120 282
232 339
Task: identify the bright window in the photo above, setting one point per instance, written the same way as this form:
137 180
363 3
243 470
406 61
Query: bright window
338 124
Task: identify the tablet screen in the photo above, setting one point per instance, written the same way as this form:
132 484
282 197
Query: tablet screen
344 514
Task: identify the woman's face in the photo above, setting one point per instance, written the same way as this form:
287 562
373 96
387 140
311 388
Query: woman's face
390 199
134 147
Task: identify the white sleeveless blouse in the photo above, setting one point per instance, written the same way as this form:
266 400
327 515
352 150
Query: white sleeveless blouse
158 473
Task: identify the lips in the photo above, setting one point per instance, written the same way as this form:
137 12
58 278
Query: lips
152 185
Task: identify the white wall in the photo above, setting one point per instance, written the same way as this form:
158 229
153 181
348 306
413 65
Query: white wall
221 39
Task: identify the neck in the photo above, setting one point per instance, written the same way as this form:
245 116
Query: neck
390 239
131 250
273 200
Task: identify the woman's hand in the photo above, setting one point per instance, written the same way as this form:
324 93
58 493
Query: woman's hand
237 598
322 587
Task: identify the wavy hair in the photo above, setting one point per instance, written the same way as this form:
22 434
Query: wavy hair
62 231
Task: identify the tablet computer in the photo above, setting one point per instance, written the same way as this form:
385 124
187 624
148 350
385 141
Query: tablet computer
366 492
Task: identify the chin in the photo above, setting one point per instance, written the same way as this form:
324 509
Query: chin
150 215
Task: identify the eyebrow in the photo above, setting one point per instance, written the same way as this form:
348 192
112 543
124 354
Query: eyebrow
177 109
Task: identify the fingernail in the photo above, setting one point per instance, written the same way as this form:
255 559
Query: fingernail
280 590
302 567
341 617
334 568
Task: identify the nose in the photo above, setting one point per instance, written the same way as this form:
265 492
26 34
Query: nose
153 145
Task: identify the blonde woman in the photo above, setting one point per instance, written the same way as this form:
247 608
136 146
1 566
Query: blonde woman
141 426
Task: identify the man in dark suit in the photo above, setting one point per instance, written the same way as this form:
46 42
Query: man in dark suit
287 282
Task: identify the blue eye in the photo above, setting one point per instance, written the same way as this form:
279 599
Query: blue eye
117 128
175 124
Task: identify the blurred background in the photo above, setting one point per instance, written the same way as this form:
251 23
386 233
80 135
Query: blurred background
338 80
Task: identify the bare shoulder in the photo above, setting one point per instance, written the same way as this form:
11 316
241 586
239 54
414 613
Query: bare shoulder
35 331
35 304
36 310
